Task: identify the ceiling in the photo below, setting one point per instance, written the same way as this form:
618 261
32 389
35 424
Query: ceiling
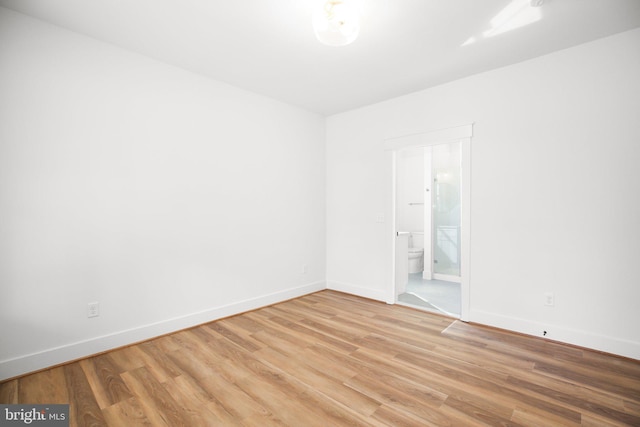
268 46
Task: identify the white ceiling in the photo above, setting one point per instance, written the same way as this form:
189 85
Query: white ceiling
268 46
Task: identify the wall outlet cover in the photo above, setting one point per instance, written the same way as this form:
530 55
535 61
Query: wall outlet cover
93 309
549 299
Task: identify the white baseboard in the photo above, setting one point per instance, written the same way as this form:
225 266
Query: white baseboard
349 288
581 338
54 356
447 277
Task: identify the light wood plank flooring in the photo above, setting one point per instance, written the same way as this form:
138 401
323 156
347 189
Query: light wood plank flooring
330 359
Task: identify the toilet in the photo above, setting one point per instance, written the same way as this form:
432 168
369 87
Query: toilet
416 260
416 252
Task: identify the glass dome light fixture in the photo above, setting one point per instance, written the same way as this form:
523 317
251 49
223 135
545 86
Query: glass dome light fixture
336 22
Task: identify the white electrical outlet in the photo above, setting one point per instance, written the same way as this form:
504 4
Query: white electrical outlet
304 269
93 309
549 299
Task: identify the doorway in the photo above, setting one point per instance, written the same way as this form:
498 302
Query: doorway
428 212
431 210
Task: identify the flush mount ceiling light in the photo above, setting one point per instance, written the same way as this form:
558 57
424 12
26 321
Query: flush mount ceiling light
336 22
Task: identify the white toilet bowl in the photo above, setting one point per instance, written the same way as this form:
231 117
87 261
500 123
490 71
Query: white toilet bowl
416 260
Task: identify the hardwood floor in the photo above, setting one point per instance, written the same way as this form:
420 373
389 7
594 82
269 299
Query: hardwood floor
331 359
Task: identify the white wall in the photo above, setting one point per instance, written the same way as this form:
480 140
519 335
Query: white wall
168 198
555 197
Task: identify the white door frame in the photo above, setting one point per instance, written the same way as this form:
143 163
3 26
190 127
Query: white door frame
463 134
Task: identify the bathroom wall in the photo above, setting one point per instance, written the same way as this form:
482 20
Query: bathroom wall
168 198
410 189
555 192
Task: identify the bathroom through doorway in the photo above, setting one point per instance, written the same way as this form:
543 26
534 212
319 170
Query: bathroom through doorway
428 213
431 220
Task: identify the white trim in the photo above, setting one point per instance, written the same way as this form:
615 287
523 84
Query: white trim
54 356
360 291
465 228
390 235
581 338
424 139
